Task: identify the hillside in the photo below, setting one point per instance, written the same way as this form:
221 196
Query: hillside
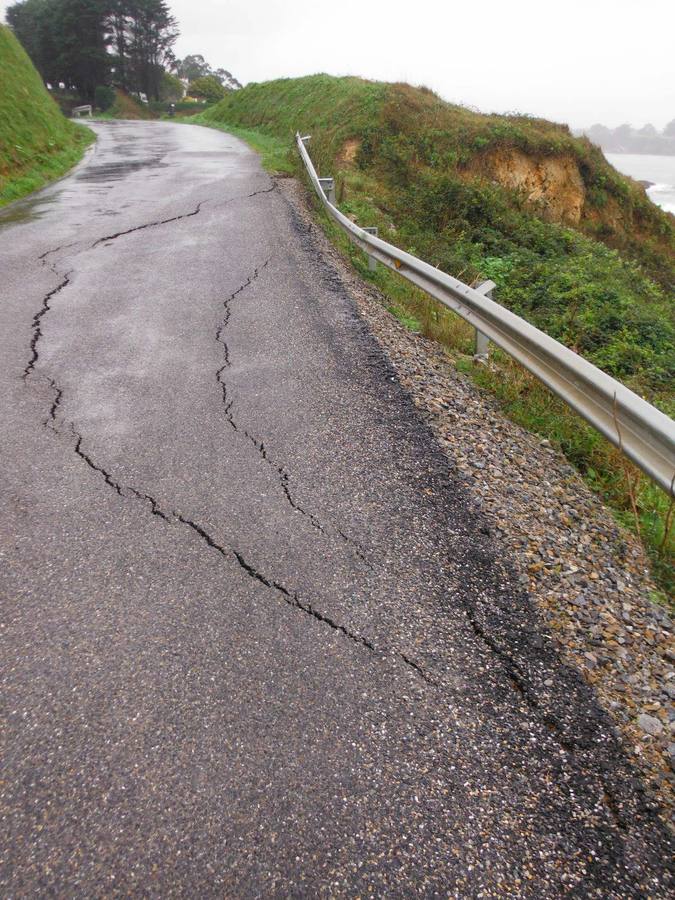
128 107
573 245
37 144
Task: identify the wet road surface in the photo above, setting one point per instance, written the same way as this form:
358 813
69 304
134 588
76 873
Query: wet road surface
255 640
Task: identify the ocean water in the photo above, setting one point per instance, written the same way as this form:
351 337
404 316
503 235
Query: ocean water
660 170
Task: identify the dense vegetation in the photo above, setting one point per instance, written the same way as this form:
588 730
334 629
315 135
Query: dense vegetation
37 143
86 49
435 179
87 43
195 66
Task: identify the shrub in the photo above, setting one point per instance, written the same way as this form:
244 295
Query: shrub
104 97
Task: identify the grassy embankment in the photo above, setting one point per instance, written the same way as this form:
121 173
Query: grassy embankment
579 251
37 143
126 107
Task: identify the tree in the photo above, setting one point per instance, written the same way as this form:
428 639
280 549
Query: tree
117 23
207 87
623 132
195 66
152 33
86 43
83 57
599 133
669 130
34 22
104 97
171 88
192 67
227 79
66 41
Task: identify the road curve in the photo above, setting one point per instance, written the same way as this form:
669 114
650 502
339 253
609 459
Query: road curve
255 640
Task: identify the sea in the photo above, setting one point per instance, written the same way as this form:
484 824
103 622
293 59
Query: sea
660 170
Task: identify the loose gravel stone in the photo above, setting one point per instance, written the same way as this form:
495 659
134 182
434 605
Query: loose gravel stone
650 724
588 576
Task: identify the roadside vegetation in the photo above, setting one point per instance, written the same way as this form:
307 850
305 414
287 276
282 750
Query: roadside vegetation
573 246
124 106
37 143
112 55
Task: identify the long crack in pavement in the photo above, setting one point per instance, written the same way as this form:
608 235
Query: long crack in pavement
280 470
289 597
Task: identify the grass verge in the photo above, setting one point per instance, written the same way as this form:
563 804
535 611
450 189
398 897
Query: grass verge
37 143
41 169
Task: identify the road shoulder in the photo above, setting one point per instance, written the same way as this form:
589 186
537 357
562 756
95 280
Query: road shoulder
588 577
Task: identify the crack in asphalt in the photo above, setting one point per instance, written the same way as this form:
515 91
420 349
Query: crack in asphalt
282 473
56 250
121 489
44 309
290 598
267 190
196 211
111 237
127 491
36 323
50 422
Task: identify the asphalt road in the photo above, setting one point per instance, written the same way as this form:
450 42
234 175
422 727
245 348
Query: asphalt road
256 642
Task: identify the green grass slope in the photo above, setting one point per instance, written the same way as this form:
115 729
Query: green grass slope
37 144
573 246
403 157
127 107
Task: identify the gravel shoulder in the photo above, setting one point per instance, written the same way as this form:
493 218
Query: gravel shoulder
588 577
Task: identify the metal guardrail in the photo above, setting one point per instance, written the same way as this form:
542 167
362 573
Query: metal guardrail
642 432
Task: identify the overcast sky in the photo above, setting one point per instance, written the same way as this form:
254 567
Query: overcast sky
576 61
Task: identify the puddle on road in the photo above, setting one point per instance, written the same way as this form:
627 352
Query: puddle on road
114 171
109 162
205 154
29 210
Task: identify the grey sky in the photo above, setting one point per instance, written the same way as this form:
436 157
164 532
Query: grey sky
577 61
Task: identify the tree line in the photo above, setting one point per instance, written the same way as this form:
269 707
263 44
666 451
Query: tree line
85 44
626 139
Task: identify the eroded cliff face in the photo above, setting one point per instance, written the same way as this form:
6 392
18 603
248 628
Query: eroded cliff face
554 189
552 185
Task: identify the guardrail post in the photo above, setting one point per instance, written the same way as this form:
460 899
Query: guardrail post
372 262
328 187
482 345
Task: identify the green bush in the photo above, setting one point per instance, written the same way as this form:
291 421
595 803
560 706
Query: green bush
104 97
